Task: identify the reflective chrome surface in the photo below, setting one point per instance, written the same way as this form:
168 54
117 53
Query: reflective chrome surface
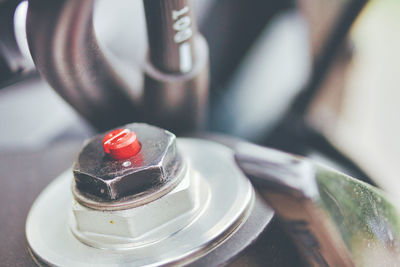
103 181
105 91
229 204
145 224
334 219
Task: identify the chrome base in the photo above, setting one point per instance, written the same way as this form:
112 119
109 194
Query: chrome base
228 205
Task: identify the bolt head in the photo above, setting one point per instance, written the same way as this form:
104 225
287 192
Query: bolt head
109 178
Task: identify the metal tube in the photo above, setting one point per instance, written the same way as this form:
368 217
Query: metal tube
65 50
171 30
176 72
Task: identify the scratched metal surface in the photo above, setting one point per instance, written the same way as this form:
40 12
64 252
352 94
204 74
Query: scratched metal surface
23 176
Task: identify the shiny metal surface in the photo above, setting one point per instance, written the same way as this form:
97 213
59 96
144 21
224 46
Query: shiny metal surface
66 52
156 165
145 224
178 102
171 29
129 202
230 203
334 219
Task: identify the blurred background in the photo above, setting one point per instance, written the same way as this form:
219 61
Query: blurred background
313 77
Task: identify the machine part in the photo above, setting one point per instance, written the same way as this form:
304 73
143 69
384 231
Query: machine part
13 63
157 165
65 50
230 203
177 65
121 144
172 30
145 224
247 245
334 220
178 102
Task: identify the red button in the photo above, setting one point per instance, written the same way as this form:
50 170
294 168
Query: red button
121 144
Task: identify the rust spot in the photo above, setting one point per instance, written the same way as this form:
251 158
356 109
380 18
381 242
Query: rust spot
112 222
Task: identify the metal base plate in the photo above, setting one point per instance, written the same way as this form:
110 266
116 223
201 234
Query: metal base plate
51 241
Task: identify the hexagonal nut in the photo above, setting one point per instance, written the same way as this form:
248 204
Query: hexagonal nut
142 224
156 164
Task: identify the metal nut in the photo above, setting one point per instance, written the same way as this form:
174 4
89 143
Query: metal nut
156 164
144 224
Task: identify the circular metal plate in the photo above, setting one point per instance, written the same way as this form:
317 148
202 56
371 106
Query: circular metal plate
51 241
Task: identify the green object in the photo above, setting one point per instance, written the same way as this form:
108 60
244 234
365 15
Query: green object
368 222
334 219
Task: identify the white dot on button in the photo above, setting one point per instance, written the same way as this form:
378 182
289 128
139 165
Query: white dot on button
126 164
